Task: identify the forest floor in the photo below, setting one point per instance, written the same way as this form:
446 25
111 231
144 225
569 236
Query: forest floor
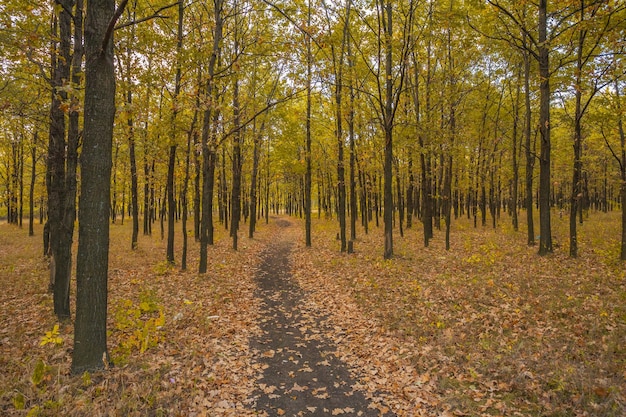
487 328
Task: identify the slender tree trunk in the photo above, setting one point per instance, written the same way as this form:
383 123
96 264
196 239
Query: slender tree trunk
338 66
388 127
400 202
410 191
514 156
545 232
133 185
31 191
171 202
21 182
254 182
60 237
267 184
308 173
236 166
208 152
622 165
196 186
185 193
447 186
530 161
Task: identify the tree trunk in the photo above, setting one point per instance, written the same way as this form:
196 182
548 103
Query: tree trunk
254 182
545 229
410 191
208 152
90 347
388 128
515 179
196 186
171 204
114 188
622 164
185 192
576 196
133 184
171 201
31 191
60 237
308 173
236 166
353 193
530 161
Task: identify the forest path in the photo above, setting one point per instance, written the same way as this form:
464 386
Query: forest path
300 376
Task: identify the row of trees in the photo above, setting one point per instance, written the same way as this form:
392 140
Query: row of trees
357 109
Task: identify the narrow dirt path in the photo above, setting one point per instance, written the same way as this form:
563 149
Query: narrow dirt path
300 374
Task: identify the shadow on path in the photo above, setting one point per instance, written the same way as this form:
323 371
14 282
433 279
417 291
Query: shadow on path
300 374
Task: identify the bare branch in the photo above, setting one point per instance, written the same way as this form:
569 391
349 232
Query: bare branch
111 27
619 161
155 15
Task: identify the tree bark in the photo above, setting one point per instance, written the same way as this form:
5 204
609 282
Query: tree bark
31 191
236 166
90 346
171 202
388 127
530 158
545 229
60 235
308 173
208 152
622 164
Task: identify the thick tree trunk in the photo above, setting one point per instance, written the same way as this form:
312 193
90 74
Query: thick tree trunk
90 346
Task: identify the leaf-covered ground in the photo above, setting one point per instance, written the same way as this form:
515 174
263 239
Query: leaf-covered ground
488 328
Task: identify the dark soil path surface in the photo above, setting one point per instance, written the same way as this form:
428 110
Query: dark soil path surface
300 374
